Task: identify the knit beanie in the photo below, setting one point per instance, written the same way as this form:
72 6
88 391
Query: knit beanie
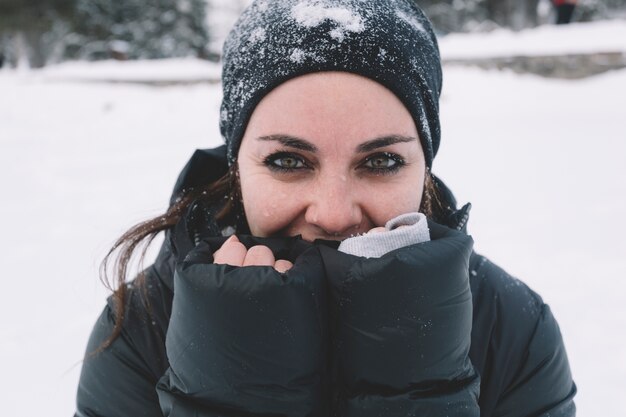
389 41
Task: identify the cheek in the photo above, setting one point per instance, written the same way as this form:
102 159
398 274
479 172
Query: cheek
269 205
390 202
388 197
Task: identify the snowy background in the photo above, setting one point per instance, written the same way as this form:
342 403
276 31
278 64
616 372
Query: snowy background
82 159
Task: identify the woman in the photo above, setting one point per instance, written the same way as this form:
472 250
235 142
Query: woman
313 266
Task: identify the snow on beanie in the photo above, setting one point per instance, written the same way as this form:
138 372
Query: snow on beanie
389 41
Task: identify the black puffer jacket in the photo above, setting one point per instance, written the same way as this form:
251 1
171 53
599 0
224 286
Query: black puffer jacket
427 330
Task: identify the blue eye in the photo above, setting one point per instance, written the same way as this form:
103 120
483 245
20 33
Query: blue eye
284 161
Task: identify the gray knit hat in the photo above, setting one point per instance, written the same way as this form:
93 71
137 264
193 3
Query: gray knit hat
389 41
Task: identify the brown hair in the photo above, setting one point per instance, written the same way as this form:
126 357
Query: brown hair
137 239
140 236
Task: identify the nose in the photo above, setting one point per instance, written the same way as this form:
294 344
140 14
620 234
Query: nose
334 208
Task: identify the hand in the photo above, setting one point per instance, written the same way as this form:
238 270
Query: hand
234 253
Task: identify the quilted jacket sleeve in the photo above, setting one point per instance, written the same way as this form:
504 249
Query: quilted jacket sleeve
118 381
543 384
403 331
246 341
518 348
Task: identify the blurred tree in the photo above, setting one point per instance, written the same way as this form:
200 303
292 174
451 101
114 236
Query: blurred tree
457 15
40 31
514 14
221 17
133 29
24 25
588 10
471 15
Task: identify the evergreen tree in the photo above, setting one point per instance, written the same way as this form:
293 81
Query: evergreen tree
24 28
470 15
138 29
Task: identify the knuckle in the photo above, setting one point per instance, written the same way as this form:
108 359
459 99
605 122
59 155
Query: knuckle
282 265
231 253
259 255
260 250
237 246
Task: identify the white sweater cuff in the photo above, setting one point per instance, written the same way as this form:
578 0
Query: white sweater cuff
404 230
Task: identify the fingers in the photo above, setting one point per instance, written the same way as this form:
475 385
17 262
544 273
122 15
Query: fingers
259 255
282 266
262 255
234 253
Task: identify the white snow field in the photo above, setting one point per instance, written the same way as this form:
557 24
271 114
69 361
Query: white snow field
575 38
541 160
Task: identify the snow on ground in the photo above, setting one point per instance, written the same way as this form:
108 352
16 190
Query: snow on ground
79 164
575 38
541 161
184 69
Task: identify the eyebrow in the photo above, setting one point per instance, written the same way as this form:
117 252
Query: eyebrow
291 142
370 145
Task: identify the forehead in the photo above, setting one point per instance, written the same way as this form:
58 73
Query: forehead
334 107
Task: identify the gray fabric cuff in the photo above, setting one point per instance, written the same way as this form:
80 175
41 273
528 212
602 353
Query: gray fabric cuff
404 230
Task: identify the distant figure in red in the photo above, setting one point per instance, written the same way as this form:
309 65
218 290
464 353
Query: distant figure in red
564 10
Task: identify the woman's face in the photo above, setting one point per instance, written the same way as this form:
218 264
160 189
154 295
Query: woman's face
329 155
